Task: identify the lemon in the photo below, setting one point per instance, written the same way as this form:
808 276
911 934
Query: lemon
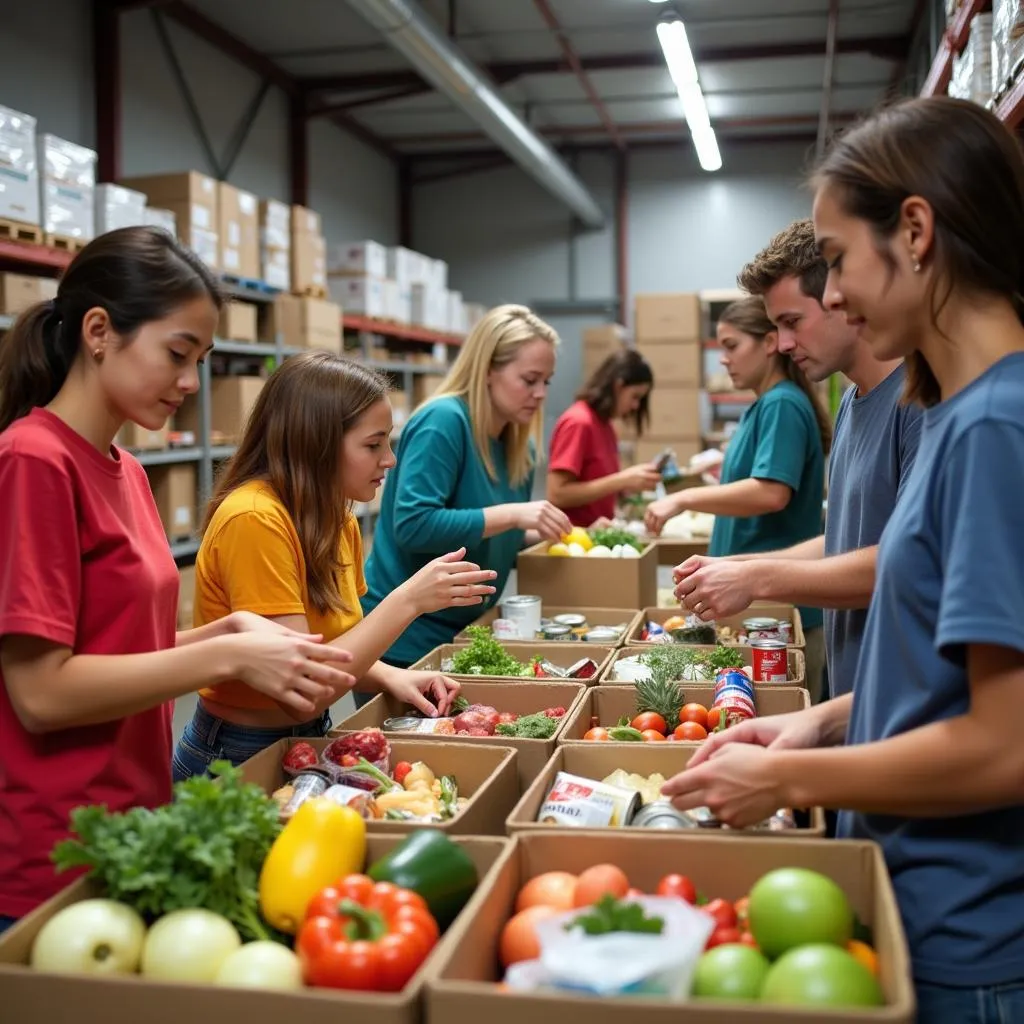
559 550
579 536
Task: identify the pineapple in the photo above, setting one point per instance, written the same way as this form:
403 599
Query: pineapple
664 696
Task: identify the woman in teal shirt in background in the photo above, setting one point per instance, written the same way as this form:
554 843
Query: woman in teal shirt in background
465 471
773 477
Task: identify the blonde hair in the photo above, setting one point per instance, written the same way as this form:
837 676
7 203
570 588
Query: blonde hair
493 343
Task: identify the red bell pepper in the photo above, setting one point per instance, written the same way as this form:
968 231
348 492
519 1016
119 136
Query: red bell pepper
365 935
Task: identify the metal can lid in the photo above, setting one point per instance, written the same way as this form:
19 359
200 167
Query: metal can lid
556 629
514 599
660 814
767 644
760 623
600 634
571 619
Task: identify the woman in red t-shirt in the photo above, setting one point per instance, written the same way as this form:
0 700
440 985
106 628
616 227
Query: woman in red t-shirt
89 657
584 478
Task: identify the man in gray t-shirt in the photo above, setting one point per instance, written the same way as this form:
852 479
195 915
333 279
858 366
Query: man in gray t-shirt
874 447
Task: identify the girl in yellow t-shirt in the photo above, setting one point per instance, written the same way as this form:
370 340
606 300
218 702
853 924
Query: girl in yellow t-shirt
280 540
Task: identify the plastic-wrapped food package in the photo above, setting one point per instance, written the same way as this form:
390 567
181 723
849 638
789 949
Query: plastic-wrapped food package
1007 42
972 77
68 174
19 173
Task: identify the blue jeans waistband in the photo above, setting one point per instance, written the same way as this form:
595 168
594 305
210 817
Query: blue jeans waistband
209 728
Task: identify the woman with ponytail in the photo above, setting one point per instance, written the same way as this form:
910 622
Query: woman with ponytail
89 657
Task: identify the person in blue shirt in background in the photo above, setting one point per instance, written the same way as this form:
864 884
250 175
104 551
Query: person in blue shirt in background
919 212
464 477
773 477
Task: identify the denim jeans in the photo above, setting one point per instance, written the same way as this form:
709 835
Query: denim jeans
209 738
998 1004
7 922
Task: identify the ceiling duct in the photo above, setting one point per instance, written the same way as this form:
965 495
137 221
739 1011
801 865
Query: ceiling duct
413 33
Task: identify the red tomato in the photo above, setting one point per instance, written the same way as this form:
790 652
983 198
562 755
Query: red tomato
722 911
694 713
742 906
507 717
649 720
748 940
631 894
597 733
400 771
723 936
713 716
653 736
692 731
678 885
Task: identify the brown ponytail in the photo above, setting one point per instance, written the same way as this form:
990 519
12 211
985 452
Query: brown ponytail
749 315
137 275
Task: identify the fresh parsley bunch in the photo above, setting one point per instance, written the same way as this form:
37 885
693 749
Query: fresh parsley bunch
485 656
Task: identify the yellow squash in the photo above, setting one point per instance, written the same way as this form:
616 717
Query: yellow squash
321 844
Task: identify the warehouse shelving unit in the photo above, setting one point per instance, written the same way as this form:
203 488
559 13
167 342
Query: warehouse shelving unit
953 42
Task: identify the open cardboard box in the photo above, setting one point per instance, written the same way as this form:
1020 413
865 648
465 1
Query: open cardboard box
598 760
562 655
523 700
31 995
461 984
485 774
628 617
760 609
676 550
797 664
610 703
622 582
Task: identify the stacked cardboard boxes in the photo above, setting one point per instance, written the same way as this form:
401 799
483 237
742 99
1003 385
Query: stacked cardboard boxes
238 232
309 253
19 170
118 207
276 243
20 291
192 199
68 185
668 336
598 344
306 322
175 491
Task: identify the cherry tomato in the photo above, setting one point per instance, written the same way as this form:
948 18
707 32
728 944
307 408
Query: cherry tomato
742 906
748 940
678 885
722 911
649 720
400 771
723 936
692 731
694 713
597 733
713 716
653 736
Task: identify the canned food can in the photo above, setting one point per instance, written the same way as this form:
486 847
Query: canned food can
585 803
661 815
734 693
506 629
572 620
556 631
734 707
653 629
524 610
735 678
770 661
585 668
761 629
602 635
786 631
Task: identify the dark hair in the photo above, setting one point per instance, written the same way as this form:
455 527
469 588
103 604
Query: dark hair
967 165
627 368
292 440
137 275
793 252
749 315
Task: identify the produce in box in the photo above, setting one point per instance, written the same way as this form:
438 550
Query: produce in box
598 542
485 656
679 664
482 720
790 942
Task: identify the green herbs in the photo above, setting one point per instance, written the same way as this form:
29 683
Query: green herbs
673 662
529 727
609 536
206 849
612 915
484 656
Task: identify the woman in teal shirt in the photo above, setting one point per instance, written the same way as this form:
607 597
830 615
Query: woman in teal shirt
465 473
773 477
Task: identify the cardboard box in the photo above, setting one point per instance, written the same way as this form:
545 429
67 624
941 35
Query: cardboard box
238 321
305 221
20 291
797 663
33 995
671 317
362 296
231 401
760 609
309 263
533 755
624 582
118 207
674 552
68 180
674 362
131 435
486 775
424 385
363 259
306 322
597 760
562 655
186 596
238 230
175 490
675 413
192 199
275 220
598 344
595 617
163 219
276 267
19 167
610 703
685 449
461 983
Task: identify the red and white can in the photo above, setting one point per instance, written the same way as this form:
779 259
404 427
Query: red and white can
770 661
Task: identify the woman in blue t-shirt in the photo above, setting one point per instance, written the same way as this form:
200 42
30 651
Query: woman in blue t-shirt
773 477
920 212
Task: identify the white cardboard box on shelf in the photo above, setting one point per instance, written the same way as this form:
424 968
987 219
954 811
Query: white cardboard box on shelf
361 296
68 182
158 218
118 207
368 259
19 168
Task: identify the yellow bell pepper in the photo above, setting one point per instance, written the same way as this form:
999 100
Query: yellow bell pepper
323 842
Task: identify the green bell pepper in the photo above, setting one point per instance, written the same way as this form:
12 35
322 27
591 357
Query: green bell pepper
431 864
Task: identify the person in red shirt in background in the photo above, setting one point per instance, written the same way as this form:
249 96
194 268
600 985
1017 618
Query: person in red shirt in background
584 477
89 657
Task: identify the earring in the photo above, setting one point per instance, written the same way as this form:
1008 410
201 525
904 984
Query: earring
916 263
97 354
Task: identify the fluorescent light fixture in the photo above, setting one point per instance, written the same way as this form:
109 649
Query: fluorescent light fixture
681 66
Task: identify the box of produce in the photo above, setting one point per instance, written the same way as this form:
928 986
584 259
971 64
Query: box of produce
702 663
210 908
654 711
485 657
395 786
761 620
527 718
591 567
557 622
794 931
617 786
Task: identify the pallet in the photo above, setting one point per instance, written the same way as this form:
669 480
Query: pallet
18 231
311 292
250 284
65 243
